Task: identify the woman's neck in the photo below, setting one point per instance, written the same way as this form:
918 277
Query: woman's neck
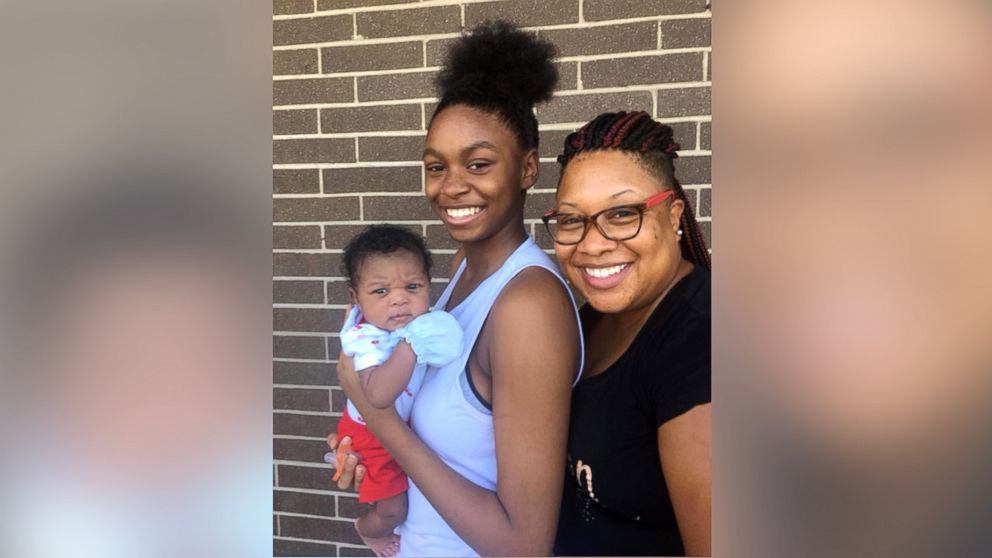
484 257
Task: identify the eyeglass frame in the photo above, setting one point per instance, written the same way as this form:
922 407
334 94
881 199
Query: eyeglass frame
594 218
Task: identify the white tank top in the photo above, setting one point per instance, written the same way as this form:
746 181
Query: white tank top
449 418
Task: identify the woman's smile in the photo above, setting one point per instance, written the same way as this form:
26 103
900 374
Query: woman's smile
459 216
606 277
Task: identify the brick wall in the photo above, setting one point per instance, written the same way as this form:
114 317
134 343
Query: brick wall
352 93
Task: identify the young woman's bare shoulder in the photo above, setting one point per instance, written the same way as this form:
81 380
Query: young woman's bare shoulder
536 295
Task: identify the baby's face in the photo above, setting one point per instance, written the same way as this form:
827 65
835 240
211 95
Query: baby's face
392 289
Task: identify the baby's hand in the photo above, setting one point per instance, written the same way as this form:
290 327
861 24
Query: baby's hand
436 337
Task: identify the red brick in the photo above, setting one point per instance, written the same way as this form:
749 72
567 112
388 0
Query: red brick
337 292
374 179
524 12
411 85
568 76
388 56
315 478
396 23
598 10
684 134
370 119
627 37
315 90
311 30
547 176
300 292
437 50
406 208
301 502
582 108
339 4
303 61
318 529
304 373
705 202
291 6
398 148
353 551
693 170
287 346
336 236
295 237
643 70
298 265
689 101
293 449
537 204
305 319
338 401
552 141
282 547
686 33
317 150
284 399
438 237
295 181
292 424
314 209
286 122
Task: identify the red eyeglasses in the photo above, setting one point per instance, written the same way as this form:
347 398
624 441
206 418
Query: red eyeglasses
621 222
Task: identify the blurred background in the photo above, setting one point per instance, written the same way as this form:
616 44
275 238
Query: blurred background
852 314
850 237
135 237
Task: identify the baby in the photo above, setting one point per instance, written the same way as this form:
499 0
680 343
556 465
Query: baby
393 338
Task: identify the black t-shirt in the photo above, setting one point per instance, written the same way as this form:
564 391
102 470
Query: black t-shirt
615 500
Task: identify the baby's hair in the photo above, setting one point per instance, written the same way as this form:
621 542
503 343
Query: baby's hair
381 240
652 144
499 69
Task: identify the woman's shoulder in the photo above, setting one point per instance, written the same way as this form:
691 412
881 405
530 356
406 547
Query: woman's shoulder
680 324
687 304
532 292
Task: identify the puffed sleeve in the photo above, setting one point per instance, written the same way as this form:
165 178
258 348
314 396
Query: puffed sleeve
369 345
436 337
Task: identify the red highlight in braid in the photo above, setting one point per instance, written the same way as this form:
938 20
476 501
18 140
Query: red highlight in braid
631 119
612 138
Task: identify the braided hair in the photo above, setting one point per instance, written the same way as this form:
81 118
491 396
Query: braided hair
651 142
501 70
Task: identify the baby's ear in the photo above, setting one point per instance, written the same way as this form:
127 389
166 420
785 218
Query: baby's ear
352 295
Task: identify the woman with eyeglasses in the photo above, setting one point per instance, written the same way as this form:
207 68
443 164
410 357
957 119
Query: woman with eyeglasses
639 475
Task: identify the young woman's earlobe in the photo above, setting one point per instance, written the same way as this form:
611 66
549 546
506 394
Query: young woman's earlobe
532 166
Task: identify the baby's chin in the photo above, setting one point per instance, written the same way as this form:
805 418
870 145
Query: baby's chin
391 324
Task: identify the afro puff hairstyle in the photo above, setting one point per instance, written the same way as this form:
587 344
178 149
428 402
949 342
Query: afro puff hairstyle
499 69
